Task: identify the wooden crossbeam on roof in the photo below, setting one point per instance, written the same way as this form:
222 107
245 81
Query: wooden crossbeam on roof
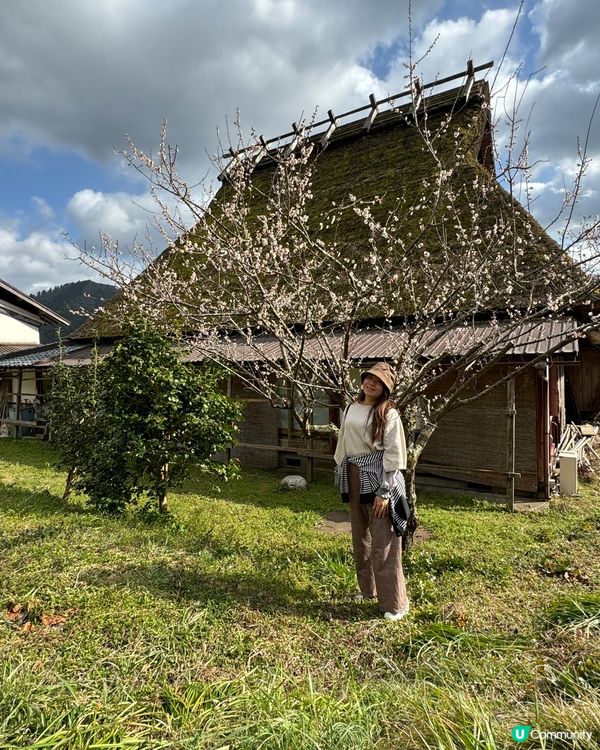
372 114
261 150
418 95
470 72
294 142
233 155
470 79
333 123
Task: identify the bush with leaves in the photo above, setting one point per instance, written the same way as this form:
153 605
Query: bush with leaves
155 416
73 415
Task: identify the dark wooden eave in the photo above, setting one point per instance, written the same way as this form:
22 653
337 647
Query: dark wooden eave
17 298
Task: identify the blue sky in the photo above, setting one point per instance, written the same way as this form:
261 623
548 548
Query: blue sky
76 77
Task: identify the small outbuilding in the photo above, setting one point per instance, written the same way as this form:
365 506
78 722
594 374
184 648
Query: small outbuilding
22 387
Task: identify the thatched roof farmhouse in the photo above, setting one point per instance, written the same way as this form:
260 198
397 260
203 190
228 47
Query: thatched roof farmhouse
380 153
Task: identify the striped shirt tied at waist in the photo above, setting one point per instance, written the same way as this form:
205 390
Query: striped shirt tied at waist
372 483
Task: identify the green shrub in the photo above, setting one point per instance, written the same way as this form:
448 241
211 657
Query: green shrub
132 425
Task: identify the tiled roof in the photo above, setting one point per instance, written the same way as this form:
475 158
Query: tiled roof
10 348
79 355
528 339
38 356
531 338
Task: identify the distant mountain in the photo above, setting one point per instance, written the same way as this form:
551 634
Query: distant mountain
78 295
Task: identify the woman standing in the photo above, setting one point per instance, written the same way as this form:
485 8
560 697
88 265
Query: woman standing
370 457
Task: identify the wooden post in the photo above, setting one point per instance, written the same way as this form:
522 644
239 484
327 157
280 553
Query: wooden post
510 444
18 429
229 389
372 114
470 79
309 469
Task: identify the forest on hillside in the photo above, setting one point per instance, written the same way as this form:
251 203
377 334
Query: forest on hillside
73 301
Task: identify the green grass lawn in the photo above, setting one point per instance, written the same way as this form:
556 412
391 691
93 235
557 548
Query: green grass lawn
230 624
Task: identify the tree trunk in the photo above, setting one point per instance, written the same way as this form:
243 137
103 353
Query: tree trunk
162 494
416 445
69 484
411 496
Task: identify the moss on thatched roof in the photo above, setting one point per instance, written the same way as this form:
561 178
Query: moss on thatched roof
392 167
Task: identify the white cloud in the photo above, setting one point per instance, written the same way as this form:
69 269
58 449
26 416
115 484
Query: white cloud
117 214
43 208
80 75
133 220
560 100
554 107
444 46
569 34
83 74
43 257
37 260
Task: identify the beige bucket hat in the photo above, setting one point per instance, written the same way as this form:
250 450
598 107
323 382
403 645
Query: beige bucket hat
382 371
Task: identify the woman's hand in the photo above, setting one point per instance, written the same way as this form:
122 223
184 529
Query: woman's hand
380 508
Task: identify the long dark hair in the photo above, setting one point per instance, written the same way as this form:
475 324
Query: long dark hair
378 413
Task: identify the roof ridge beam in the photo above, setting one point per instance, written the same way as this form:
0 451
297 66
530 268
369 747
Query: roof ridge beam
470 73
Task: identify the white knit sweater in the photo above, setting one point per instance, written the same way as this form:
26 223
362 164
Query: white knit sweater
355 437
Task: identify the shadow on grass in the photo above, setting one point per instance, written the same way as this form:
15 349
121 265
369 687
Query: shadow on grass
259 487
20 502
32 535
267 593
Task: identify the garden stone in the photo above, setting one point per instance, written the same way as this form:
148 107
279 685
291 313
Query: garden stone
293 482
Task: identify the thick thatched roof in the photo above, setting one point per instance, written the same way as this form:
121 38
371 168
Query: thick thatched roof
391 166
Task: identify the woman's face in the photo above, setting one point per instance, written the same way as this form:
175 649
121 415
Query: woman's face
372 387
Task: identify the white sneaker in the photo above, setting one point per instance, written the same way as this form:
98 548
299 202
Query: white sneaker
398 615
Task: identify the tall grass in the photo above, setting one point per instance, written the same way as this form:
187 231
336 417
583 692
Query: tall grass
230 624
576 613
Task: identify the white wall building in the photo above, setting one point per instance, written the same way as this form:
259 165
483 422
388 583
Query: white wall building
21 317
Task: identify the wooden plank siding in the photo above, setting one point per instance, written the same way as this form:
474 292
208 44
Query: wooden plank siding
468 446
585 381
470 442
259 426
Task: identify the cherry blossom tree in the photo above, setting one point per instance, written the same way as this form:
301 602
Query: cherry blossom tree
280 280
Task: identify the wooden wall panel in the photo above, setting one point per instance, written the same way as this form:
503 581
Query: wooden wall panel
585 381
474 437
259 426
